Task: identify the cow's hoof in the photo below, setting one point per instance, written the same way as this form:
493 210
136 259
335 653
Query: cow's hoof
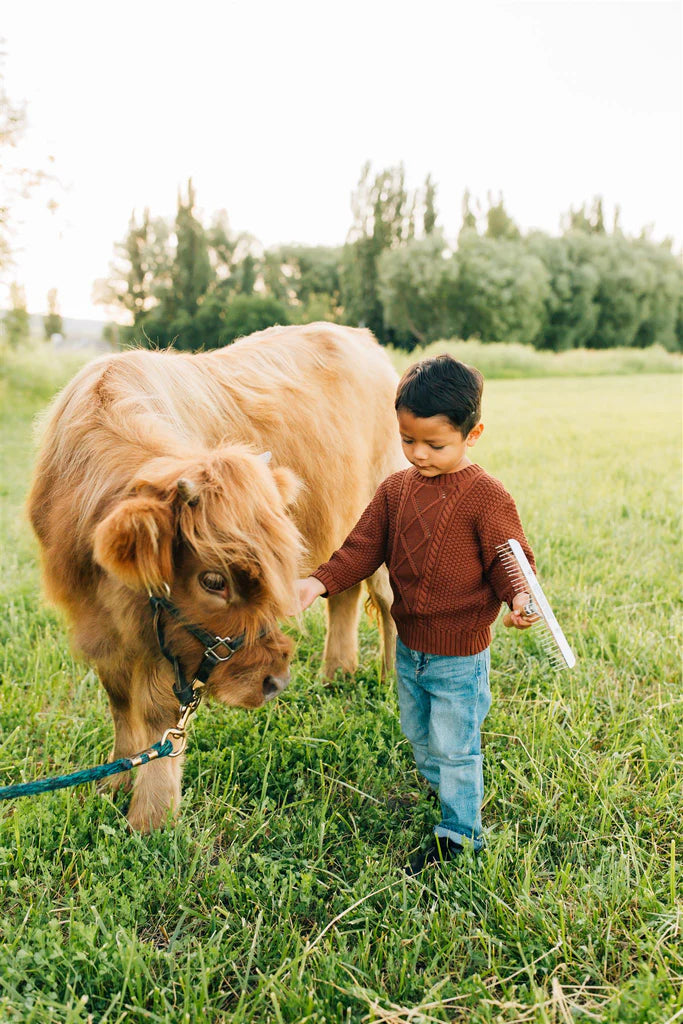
336 671
147 816
144 823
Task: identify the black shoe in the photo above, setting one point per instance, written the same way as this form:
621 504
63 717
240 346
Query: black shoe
438 852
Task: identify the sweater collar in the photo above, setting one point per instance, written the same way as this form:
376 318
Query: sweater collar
447 480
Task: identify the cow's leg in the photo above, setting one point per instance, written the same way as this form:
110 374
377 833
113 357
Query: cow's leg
382 598
117 683
341 644
156 786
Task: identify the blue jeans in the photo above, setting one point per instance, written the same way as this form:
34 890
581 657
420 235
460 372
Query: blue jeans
443 702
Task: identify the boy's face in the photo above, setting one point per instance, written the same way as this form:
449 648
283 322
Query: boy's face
433 444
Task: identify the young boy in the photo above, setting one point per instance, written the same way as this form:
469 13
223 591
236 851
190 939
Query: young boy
437 526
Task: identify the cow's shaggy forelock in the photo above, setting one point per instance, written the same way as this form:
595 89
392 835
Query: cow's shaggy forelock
237 524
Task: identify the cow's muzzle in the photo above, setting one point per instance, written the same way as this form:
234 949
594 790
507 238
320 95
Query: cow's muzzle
272 685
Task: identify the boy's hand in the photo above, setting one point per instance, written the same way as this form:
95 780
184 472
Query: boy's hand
516 617
308 590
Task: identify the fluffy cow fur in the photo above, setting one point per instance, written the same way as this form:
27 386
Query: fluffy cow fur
150 475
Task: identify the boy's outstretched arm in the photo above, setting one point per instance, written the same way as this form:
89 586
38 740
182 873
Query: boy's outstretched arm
360 555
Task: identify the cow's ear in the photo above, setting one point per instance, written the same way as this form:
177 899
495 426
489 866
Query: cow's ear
134 543
288 484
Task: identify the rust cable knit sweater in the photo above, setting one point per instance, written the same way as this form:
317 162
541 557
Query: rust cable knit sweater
438 537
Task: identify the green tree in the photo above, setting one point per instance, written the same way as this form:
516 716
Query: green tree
571 303
619 293
469 219
429 218
637 295
249 313
304 276
247 275
662 294
317 307
616 220
598 218
417 286
177 295
381 220
589 221
16 323
52 323
275 278
501 290
498 222
140 274
223 246
360 296
191 272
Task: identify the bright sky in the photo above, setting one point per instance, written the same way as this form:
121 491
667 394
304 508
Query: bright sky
272 108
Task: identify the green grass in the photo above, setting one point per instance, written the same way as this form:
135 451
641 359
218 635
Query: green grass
500 360
280 894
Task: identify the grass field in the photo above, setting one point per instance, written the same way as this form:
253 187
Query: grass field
280 895
507 361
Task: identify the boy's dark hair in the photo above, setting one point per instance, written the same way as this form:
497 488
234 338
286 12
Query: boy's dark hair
441 386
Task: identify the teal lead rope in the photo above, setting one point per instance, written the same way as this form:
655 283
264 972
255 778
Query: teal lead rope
161 749
189 695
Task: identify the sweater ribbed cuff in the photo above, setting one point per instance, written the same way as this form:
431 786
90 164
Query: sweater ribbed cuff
327 581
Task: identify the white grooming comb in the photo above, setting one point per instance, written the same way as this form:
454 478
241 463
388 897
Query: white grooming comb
523 579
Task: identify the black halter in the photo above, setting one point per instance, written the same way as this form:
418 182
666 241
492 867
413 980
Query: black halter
229 645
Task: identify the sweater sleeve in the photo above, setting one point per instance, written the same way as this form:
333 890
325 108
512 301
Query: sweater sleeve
500 525
363 551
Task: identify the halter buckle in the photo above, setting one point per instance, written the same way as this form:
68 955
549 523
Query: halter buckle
224 641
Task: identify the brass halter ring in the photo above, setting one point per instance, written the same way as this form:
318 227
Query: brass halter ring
179 731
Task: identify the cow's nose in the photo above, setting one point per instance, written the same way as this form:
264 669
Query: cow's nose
272 685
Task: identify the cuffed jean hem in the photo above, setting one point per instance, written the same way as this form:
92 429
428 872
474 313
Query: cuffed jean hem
477 844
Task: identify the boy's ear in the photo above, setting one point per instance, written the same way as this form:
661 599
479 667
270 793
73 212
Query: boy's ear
134 542
474 435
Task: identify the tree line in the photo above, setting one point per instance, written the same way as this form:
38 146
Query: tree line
194 285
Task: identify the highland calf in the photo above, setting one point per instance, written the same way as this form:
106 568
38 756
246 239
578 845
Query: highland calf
152 479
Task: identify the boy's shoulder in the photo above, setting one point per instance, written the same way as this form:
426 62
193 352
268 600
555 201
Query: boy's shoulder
491 484
394 482
488 492
393 486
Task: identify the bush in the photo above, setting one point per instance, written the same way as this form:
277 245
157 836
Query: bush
219 320
249 313
501 290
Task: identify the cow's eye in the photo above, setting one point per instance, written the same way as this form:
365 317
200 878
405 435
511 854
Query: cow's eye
213 581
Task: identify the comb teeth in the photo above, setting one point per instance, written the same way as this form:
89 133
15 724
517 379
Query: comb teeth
547 629
511 566
547 643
